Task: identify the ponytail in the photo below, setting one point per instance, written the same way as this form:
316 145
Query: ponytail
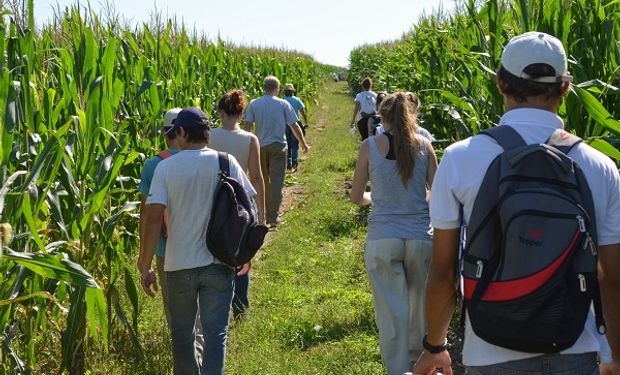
396 111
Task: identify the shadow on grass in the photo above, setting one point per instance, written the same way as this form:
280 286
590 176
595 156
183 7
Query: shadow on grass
307 335
346 224
342 166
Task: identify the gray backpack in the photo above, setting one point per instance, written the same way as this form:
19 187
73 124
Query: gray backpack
530 259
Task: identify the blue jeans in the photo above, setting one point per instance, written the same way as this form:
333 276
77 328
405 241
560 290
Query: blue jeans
211 288
548 364
240 298
293 148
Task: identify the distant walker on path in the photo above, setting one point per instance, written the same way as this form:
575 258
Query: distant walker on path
293 144
365 103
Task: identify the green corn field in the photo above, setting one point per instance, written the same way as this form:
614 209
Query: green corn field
81 105
450 61
82 102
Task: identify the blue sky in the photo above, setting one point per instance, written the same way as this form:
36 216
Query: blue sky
326 29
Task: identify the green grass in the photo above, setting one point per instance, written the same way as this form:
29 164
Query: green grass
311 307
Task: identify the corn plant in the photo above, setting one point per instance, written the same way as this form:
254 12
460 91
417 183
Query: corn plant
81 102
450 60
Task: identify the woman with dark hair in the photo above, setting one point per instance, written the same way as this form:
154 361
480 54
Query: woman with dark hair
244 147
400 164
365 107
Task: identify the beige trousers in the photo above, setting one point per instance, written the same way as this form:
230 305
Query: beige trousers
397 269
273 166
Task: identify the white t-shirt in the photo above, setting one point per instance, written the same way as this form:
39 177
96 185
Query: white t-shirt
420 131
185 183
459 177
367 101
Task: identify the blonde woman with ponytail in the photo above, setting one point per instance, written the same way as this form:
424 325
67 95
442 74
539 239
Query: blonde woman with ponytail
401 165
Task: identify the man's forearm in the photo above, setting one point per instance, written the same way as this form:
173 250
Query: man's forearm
440 306
141 227
356 109
298 133
152 232
441 285
247 126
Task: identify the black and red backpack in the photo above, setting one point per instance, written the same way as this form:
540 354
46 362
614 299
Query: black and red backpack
529 263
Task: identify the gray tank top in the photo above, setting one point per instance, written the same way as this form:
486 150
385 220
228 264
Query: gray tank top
235 142
396 211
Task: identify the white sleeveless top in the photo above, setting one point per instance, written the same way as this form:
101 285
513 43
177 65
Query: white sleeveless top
235 142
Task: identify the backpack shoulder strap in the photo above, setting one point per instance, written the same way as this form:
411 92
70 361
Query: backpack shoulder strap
563 140
165 154
224 163
506 136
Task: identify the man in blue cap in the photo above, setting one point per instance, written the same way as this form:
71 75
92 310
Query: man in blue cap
185 185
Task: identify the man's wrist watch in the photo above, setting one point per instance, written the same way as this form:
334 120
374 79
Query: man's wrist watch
434 349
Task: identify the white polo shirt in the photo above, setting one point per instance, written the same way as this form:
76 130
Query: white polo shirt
459 177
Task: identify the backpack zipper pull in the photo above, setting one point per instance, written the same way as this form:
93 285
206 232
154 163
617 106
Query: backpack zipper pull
590 242
582 282
582 224
479 269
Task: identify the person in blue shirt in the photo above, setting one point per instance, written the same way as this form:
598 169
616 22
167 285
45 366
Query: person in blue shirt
145 185
293 143
160 252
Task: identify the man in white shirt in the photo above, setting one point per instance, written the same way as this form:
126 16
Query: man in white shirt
533 78
185 184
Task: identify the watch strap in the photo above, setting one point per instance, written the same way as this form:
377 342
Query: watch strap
433 349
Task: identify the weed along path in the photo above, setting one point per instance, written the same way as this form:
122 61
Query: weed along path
311 309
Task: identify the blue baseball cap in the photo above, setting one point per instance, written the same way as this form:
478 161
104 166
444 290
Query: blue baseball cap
191 117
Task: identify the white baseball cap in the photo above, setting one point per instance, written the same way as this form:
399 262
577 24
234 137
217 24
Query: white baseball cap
170 116
536 48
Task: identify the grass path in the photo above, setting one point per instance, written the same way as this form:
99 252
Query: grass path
311 308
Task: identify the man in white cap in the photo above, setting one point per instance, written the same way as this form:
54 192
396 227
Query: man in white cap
293 144
533 78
